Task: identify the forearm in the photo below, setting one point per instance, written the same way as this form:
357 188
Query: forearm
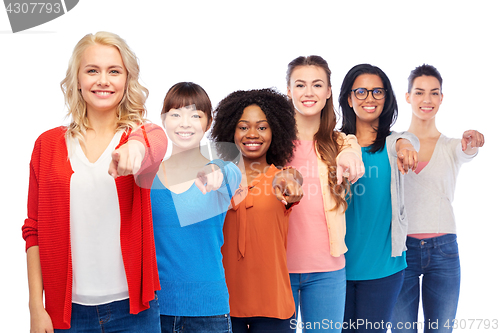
35 281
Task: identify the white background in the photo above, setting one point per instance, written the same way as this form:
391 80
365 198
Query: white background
227 46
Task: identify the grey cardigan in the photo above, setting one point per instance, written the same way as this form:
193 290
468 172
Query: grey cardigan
399 223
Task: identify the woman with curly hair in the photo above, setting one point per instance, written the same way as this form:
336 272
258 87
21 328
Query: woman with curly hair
317 226
376 217
89 234
262 125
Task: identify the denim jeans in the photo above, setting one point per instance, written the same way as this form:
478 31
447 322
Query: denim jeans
113 317
261 324
436 259
207 324
369 303
321 300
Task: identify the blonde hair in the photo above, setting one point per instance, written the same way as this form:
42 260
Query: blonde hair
130 111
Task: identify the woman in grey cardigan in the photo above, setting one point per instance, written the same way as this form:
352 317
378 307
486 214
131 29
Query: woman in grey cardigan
375 218
432 242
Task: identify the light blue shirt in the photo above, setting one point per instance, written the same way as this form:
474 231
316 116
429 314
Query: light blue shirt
188 239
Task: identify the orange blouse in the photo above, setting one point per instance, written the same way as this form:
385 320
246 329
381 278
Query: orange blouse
254 252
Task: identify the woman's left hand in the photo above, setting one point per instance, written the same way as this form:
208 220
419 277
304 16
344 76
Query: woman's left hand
127 159
407 156
286 187
209 178
471 140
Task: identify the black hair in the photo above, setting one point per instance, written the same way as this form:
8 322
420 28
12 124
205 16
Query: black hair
389 113
280 117
424 70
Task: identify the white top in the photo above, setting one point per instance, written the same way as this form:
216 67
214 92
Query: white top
98 271
429 194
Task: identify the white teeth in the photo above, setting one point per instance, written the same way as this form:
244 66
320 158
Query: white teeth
308 103
252 144
369 107
102 93
185 135
427 109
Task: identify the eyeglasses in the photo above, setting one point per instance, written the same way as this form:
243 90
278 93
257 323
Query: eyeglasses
362 93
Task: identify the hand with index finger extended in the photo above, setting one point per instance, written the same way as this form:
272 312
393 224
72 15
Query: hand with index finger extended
471 140
127 159
209 178
349 165
407 156
286 187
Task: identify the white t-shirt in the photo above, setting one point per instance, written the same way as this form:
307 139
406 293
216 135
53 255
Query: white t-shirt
98 271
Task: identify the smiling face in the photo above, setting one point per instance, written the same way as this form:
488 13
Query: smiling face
425 97
369 109
102 78
308 89
185 127
253 134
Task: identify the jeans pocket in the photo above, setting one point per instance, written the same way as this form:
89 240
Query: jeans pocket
449 250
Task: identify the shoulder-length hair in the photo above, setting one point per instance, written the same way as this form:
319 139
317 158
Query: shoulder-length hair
389 113
326 137
130 111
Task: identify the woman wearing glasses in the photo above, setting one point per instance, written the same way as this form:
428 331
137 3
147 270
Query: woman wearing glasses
375 217
428 196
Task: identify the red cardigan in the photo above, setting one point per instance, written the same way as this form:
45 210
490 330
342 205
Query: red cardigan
48 224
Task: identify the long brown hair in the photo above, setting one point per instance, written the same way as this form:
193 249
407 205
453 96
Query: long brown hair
326 137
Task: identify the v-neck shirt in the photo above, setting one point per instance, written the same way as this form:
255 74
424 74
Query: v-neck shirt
429 194
98 270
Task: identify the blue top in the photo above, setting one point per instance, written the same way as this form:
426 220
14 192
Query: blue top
368 222
188 239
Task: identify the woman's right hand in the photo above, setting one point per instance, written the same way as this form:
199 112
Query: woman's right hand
40 321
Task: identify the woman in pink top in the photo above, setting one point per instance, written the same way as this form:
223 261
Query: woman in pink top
432 241
317 226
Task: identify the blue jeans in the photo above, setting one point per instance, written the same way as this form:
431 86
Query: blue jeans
436 259
113 317
261 324
206 324
369 303
321 300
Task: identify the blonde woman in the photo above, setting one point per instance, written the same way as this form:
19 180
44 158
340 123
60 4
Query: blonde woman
89 235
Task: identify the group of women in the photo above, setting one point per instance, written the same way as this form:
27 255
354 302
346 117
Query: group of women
291 216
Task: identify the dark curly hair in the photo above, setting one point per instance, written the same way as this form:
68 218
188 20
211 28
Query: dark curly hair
279 113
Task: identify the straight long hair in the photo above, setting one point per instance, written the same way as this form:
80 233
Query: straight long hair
387 117
326 137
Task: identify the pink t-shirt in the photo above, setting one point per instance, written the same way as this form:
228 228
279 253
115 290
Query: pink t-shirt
308 244
420 166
